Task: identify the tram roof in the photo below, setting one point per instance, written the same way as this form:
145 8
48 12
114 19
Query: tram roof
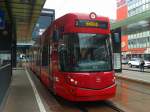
23 14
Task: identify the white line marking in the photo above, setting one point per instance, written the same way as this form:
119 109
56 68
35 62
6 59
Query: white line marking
37 96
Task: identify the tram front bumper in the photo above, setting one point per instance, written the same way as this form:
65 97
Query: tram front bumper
81 94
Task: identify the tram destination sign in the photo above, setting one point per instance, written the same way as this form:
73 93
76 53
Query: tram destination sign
2 21
92 23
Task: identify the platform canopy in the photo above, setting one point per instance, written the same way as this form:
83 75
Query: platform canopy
24 15
133 24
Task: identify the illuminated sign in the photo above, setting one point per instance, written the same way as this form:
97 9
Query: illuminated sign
91 23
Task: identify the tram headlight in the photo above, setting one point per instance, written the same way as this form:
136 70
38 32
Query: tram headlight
76 82
56 79
71 81
114 79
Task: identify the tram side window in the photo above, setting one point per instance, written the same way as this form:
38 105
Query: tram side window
38 57
55 35
45 55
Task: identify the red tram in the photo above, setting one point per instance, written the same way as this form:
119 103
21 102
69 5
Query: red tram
73 58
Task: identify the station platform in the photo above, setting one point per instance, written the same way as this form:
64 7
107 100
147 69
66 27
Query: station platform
27 94
21 95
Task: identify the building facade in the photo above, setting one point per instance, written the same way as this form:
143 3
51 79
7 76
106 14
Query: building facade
137 42
46 18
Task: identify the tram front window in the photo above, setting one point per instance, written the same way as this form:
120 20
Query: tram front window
86 52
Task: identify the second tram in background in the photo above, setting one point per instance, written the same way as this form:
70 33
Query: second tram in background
73 58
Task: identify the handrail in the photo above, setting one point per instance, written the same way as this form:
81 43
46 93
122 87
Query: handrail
4 66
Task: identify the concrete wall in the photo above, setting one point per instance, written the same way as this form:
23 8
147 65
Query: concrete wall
5 79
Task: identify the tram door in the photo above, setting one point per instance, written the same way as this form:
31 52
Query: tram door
116 42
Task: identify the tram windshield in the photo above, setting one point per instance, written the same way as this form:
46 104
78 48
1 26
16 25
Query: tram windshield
85 52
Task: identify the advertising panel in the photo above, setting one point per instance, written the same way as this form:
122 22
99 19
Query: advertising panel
2 21
124 43
116 42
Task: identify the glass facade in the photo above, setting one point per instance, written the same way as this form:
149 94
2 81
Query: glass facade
137 6
139 40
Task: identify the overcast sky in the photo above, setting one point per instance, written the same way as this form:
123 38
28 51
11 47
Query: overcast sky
100 7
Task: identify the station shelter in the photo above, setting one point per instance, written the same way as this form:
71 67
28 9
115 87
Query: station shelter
17 20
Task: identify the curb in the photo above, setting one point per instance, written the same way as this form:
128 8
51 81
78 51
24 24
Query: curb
134 80
135 70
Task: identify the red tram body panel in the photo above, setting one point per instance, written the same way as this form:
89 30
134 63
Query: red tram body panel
73 58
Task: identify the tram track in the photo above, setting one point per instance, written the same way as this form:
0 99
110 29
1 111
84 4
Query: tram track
104 106
99 106
114 107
